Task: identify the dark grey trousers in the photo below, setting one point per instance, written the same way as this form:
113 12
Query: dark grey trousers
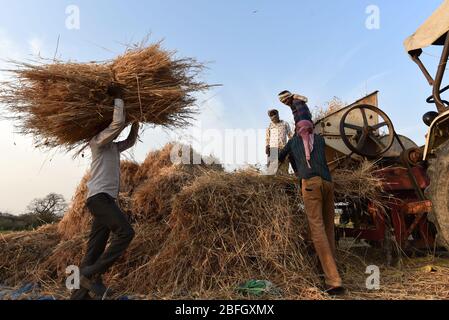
107 219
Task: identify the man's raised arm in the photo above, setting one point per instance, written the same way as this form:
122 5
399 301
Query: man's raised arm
131 140
113 130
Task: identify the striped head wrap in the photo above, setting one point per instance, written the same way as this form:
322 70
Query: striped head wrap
284 96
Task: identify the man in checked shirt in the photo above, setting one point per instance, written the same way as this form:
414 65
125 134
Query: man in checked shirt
278 134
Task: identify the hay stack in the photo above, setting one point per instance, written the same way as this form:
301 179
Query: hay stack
77 219
233 227
68 252
199 233
160 181
154 162
128 176
65 104
23 252
153 199
360 182
146 191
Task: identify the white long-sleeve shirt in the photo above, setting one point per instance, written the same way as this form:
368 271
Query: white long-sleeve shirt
105 167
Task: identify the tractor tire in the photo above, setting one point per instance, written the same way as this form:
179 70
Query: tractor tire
438 193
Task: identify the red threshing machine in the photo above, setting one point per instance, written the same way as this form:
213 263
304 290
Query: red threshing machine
416 178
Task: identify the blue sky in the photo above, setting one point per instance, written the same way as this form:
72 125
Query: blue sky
256 48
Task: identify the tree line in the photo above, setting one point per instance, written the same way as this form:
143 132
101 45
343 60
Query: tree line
39 212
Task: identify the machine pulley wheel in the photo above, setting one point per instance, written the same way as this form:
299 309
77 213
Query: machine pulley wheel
370 139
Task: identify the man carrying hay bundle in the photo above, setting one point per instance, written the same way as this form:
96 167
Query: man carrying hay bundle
103 190
64 105
308 151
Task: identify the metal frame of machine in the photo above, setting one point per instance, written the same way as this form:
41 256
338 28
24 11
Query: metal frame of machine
411 175
347 133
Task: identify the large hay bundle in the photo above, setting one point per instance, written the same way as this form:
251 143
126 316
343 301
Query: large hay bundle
65 104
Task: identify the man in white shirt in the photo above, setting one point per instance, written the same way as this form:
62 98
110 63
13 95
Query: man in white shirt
103 191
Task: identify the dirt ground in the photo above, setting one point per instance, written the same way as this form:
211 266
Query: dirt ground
408 278
419 278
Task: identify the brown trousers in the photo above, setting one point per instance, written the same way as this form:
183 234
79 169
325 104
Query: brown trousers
318 195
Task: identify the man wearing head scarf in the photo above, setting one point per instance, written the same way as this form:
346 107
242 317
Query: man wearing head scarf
278 134
308 151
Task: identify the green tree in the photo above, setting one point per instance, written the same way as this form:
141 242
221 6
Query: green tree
46 210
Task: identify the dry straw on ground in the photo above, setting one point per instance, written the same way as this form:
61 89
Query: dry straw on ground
66 104
200 232
22 253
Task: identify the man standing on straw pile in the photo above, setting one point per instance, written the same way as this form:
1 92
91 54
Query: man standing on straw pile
298 104
278 134
308 151
103 190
